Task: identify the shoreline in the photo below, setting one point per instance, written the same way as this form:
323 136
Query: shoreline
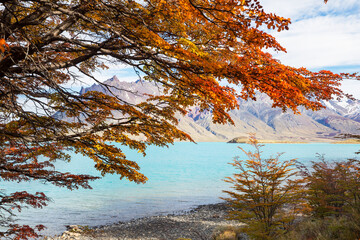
196 224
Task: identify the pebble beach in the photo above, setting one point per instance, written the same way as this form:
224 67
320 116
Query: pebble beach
199 223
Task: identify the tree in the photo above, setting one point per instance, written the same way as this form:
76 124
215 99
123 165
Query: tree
189 47
266 195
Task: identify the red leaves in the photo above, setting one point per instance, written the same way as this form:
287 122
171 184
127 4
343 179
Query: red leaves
15 200
22 162
23 232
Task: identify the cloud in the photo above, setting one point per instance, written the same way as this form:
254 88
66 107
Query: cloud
292 9
310 8
321 36
322 41
351 87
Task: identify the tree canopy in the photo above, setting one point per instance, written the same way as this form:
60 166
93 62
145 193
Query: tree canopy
194 49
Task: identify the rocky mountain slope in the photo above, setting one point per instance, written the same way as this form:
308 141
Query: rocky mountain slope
252 117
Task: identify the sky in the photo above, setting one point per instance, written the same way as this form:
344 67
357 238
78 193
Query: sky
321 36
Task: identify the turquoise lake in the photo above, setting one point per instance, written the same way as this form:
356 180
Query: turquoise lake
180 177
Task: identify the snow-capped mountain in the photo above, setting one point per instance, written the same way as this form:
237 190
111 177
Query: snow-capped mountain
252 116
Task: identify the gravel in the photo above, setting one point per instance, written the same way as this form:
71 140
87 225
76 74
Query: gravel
196 224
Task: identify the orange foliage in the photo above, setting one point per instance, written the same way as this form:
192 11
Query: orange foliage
194 49
333 188
266 193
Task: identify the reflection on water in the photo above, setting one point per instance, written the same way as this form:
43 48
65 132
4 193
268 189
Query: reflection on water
180 177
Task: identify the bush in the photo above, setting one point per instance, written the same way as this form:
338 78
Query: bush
328 228
333 199
333 187
228 233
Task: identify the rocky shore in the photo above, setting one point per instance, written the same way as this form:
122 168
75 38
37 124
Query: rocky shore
197 224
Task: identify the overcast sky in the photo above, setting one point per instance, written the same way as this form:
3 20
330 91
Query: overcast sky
321 36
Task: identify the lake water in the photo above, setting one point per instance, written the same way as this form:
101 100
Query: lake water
180 177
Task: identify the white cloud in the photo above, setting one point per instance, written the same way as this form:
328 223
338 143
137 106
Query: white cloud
310 8
292 9
323 41
321 36
351 87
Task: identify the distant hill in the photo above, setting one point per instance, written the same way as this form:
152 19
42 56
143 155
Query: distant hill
253 117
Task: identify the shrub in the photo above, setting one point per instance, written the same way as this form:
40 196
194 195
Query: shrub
328 228
227 233
333 199
333 187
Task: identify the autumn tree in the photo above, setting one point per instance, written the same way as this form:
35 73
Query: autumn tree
266 195
333 188
190 48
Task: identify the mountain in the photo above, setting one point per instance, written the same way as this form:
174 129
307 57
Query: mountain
252 116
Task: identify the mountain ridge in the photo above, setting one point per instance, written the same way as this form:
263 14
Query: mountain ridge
339 117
